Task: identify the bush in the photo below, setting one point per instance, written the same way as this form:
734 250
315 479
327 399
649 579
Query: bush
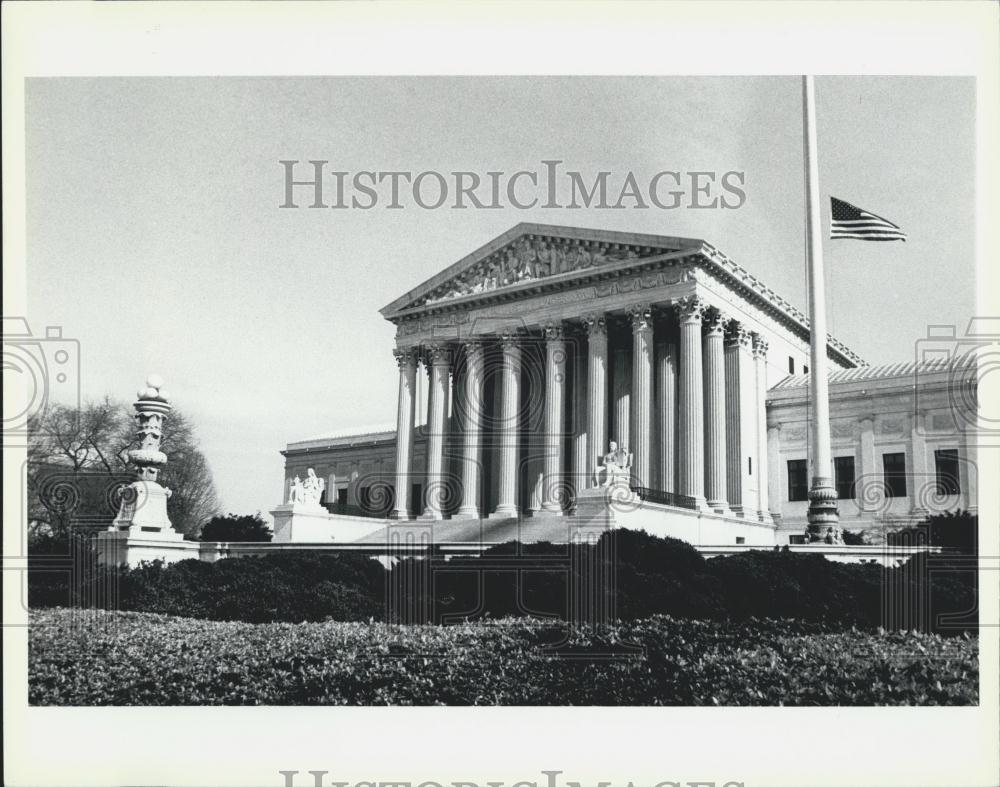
956 530
648 576
654 661
236 527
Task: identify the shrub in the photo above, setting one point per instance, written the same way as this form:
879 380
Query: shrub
635 575
653 661
236 527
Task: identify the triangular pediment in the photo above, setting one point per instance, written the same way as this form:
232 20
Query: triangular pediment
534 252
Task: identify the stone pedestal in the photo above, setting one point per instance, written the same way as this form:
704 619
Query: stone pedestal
143 512
301 522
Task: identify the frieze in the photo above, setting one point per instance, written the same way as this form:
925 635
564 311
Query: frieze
891 426
842 428
793 434
531 258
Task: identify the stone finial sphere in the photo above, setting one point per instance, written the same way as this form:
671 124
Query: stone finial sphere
154 381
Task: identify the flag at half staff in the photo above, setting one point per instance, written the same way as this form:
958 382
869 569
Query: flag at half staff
848 221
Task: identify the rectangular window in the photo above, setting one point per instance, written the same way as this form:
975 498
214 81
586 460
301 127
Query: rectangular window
342 496
796 539
791 365
946 465
749 465
798 484
894 473
740 540
805 369
843 471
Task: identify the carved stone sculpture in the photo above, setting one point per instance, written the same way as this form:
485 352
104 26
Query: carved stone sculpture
616 466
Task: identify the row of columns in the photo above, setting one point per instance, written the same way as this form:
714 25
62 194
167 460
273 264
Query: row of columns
702 398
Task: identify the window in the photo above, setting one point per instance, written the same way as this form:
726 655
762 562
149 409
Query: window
805 369
796 539
791 365
798 487
740 540
342 496
843 472
946 465
894 472
749 465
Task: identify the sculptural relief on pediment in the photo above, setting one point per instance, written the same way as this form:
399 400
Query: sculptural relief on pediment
531 258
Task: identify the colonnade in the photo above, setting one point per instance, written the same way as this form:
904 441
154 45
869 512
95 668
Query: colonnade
687 401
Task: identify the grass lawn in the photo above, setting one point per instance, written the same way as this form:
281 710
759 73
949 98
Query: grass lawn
132 658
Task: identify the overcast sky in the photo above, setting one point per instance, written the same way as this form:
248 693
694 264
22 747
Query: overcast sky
156 240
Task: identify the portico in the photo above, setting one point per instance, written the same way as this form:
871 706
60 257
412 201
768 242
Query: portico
549 342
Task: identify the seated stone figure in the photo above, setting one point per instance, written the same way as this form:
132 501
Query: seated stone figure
616 465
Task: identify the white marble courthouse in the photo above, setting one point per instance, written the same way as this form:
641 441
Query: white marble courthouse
521 362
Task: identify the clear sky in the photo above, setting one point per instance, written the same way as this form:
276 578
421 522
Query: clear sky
155 237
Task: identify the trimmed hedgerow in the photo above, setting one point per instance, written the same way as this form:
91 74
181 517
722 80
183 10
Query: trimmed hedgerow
648 576
144 659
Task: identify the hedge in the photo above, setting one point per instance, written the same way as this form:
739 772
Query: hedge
128 658
649 576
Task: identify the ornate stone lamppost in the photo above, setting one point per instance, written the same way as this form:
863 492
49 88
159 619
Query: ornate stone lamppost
143 511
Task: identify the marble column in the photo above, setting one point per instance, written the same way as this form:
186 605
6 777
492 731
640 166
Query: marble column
690 403
968 471
597 390
472 399
763 446
439 363
553 485
666 408
406 359
742 461
919 466
621 384
507 427
642 395
715 413
582 464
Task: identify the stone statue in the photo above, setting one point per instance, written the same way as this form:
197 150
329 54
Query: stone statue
295 490
312 488
617 465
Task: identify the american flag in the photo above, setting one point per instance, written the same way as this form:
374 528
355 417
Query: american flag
849 221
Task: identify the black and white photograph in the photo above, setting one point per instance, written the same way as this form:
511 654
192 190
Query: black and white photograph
607 393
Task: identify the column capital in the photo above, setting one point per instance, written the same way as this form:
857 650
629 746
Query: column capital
438 354
595 324
641 316
405 356
510 338
738 336
715 322
470 346
759 346
691 308
553 331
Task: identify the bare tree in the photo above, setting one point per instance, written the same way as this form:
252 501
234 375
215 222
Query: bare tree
78 461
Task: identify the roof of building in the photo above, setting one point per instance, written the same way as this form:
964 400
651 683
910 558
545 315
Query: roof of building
642 247
351 435
884 372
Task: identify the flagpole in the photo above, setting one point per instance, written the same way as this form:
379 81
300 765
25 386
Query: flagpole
823 514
